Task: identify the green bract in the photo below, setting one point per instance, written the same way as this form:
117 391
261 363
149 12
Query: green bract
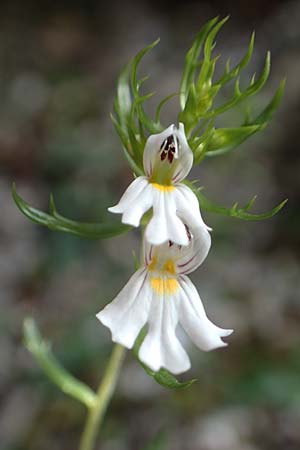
236 210
56 222
197 93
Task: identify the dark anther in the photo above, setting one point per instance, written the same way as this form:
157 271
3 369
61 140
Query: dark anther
168 149
163 155
171 243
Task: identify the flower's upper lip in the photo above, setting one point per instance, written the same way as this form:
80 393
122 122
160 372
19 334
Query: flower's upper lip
182 154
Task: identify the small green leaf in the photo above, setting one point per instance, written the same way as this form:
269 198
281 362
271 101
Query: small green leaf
233 73
56 222
41 350
268 112
162 377
122 102
225 139
235 211
208 47
132 151
161 104
150 125
240 96
129 118
191 61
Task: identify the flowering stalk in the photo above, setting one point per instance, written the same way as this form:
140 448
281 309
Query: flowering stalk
103 397
159 296
95 402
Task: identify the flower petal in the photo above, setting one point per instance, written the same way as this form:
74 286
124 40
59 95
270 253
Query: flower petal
186 157
142 203
133 190
183 159
161 347
192 316
194 254
165 225
126 315
188 207
152 148
136 200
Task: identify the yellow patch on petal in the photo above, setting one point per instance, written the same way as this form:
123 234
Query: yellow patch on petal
164 286
169 266
163 187
153 264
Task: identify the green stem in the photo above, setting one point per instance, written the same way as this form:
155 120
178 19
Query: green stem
41 350
104 394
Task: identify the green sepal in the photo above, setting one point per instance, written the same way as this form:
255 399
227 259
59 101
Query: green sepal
235 211
56 222
162 377
41 351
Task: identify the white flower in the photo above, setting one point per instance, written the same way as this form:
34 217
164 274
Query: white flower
161 295
167 161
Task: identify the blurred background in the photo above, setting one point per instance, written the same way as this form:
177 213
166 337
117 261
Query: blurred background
59 62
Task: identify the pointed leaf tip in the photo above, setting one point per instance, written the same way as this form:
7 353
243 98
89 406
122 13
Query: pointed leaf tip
235 211
52 207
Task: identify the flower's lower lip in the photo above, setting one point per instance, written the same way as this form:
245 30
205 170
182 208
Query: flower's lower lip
164 286
163 187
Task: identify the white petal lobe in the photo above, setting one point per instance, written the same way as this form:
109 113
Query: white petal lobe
126 315
186 157
204 334
161 348
133 190
165 225
188 207
196 252
136 200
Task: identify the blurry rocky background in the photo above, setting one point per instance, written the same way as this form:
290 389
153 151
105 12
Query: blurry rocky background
58 67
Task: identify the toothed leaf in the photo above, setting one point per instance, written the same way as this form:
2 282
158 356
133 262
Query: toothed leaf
233 73
235 211
268 112
224 140
56 222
